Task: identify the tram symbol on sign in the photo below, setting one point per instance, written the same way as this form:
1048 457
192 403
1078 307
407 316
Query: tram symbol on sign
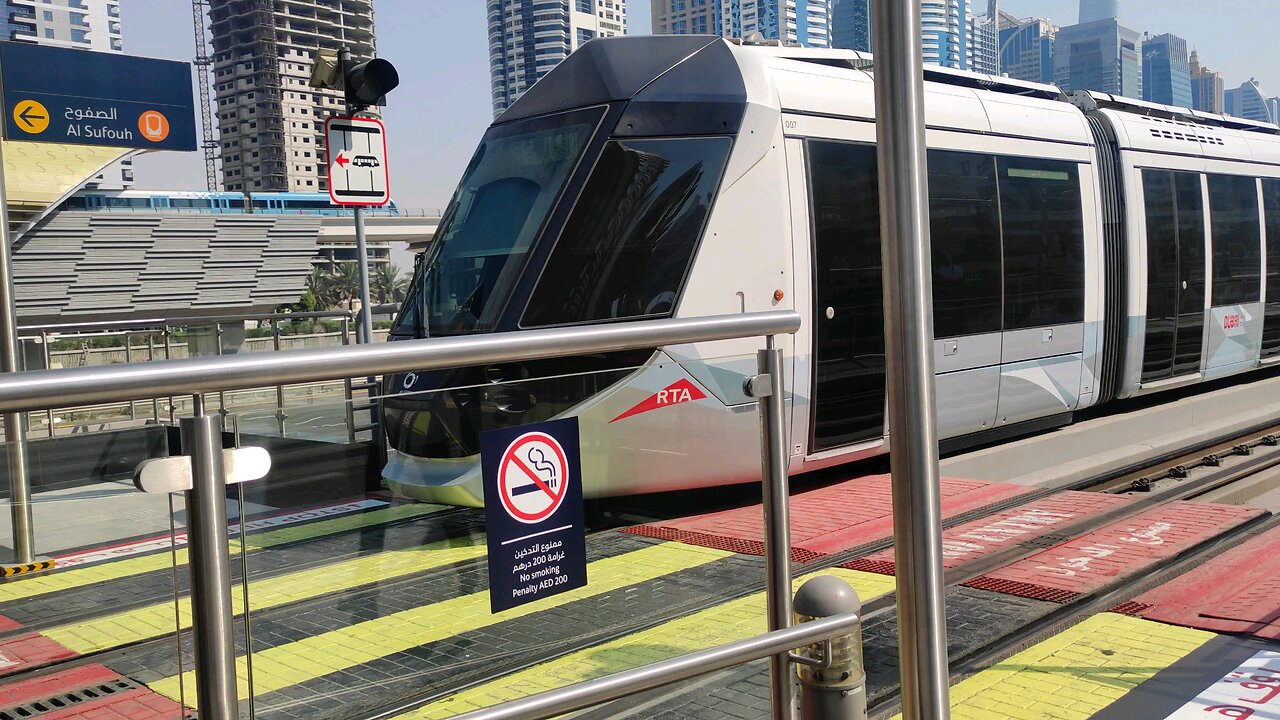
533 477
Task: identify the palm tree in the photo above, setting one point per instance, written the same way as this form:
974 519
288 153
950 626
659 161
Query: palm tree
386 285
321 285
346 281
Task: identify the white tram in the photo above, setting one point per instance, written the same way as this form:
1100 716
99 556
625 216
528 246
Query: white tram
1084 248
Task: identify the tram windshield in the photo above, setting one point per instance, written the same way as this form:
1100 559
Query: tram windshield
498 210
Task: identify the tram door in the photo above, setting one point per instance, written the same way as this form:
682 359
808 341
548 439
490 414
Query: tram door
1174 207
848 314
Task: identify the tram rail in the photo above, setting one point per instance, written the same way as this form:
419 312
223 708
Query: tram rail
1232 465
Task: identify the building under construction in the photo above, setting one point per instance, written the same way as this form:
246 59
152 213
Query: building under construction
270 122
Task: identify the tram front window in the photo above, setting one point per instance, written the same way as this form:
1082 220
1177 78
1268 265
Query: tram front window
498 210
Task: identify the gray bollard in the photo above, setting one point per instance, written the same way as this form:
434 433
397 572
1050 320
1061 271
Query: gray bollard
833 683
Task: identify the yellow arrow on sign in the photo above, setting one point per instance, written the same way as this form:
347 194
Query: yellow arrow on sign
31 117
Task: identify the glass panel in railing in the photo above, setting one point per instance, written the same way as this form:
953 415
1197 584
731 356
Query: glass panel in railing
269 407
95 587
383 584
312 412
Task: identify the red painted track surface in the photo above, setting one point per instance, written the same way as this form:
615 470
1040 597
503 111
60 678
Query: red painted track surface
1236 592
1119 550
827 520
979 538
32 650
97 694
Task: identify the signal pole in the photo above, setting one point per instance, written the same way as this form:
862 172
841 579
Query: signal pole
364 330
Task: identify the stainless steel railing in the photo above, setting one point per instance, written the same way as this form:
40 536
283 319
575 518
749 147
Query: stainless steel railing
40 389
198 377
629 682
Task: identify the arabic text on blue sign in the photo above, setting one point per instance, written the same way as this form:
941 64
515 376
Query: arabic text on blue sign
92 98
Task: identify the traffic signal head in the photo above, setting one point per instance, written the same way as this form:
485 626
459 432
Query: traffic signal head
367 83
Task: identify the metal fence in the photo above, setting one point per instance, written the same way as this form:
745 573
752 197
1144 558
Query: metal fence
149 340
205 485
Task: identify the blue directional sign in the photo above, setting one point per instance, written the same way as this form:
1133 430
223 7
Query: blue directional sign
533 512
91 98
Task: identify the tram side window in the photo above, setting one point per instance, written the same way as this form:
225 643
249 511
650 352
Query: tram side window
628 245
1233 218
964 229
1043 225
1271 324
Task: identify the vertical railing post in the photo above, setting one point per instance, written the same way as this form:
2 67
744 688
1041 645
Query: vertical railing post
48 365
15 430
151 355
279 390
275 346
908 325
168 355
768 387
346 386
210 559
217 348
128 358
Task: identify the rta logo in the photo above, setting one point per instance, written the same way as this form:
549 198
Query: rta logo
1233 321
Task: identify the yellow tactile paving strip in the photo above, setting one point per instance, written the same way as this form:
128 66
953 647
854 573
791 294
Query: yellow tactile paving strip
1074 674
285 665
102 572
156 620
734 620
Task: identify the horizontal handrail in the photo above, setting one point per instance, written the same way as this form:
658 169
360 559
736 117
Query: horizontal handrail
201 320
629 682
40 389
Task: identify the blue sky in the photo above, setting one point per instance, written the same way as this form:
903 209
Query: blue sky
442 106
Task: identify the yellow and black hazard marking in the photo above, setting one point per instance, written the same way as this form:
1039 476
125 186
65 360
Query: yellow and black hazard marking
36 566
163 560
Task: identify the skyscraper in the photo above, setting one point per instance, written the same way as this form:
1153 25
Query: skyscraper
794 22
1208 87
1166 76
1102 55
1249 102
984 45
527 38
1026 48
78 24
851 24
270 121
945 33
1093 10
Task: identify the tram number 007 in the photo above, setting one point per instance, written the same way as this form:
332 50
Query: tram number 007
790 124
553 581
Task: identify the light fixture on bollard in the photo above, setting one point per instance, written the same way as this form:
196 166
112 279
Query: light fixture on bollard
833 680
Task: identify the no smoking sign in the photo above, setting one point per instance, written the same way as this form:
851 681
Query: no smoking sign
533 512
534 477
